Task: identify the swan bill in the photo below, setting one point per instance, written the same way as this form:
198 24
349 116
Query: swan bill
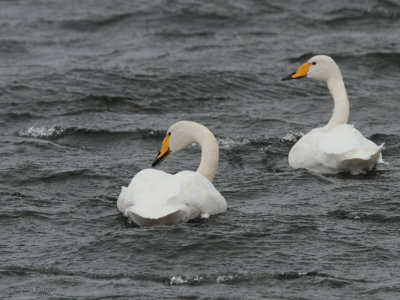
301 72
160 158
164 152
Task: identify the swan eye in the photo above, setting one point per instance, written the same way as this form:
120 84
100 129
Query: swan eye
314 63
169 133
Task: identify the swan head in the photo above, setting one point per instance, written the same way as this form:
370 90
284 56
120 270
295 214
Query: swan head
179 136
321 67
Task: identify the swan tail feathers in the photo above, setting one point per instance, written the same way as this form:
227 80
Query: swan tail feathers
364 160
204 215
121 203
366 153
161 216
381 147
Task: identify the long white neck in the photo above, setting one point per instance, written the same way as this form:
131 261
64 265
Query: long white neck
209 153
341 108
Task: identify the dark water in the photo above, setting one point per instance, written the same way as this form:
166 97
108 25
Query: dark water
87 91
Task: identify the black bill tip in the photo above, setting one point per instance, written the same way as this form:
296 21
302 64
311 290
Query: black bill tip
288 77
156 162
161 158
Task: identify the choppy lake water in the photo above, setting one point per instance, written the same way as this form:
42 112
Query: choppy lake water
87 91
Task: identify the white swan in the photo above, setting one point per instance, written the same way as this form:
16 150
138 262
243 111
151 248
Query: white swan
336 147
157 198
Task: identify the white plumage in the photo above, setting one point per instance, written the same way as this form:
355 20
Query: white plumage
336 147
341 149
157 198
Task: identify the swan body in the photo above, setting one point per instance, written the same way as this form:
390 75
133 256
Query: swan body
341 149
155 198
336 147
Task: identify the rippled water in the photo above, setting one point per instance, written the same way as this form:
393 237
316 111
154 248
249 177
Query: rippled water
87 90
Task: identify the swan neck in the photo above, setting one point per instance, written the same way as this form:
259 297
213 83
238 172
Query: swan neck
341 108
209 154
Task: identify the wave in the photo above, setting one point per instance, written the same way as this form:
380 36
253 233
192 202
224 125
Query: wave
90 25
167 34
97 103
366 217
171 14
173 280
382 137
345 15
26 213
391 141
60 175
273 150
13 47
292 137
56 132
382 59
237 142
206 279
19 116
44 132
379 60
232 278
230 142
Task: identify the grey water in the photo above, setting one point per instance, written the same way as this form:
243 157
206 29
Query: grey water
87 92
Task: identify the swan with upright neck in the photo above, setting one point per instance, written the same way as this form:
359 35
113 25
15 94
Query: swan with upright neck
337 146
156 198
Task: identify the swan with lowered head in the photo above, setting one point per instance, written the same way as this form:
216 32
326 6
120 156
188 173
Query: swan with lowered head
336 147
156 198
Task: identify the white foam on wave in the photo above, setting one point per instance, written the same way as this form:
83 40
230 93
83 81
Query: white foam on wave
174 280
229 142
292 136
42 132
224 278
197 279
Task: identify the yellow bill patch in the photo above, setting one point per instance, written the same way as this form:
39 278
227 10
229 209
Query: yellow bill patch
164 147
302 71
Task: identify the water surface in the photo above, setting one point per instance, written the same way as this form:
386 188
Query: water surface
87 92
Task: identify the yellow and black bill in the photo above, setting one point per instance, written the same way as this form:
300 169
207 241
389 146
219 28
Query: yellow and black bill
301 72
164 152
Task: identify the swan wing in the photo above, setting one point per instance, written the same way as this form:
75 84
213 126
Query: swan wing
347 149
158 216
342 148
347 141
157 198
199 194
149 192
341 139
